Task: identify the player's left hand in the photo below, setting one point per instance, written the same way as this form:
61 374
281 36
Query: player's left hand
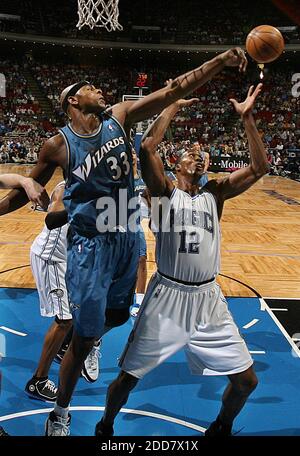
244 108
36 193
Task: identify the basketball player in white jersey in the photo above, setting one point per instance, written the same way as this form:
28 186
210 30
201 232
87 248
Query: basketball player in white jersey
184 306
48 259
36 194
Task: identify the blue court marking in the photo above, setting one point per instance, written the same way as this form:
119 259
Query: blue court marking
169 392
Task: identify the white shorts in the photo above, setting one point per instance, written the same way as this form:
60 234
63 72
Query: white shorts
196 318
49 277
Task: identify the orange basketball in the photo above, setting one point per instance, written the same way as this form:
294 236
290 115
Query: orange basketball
264 43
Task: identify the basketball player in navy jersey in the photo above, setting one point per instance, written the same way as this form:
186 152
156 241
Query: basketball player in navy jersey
183 306
94 152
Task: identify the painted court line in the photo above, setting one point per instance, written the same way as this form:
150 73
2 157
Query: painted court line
278 310
95 408
251 323
257 352
13 331
264 306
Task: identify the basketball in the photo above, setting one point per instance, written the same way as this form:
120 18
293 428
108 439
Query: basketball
265 43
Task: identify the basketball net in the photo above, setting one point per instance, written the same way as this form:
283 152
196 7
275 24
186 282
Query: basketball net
99 13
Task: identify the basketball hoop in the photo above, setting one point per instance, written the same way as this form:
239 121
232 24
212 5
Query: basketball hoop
99 13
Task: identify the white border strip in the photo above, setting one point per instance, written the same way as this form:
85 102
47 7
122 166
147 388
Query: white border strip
274 309
123 410
13 331
292 299
264 306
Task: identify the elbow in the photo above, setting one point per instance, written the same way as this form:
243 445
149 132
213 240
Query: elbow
261 171
148 146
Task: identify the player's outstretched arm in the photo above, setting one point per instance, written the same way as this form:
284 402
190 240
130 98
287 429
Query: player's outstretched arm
244 178
50 156
178 88
57 215
151 164
35 192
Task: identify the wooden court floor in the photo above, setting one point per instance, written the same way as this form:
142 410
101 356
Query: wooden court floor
260 239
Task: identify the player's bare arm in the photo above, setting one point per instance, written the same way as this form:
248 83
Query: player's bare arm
57 215
151 164
35 192
178 88
52 154
242 179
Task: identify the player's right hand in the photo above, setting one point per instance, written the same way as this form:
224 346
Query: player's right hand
235 57
36 193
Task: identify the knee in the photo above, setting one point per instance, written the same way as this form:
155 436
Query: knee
247 384
127 381
116 317
64 324
81 346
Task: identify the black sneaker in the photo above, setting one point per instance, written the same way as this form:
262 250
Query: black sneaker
44 390
61 353
218 429
102 430
3 433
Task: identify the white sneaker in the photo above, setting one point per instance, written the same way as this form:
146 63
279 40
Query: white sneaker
90 370
56 426
135 310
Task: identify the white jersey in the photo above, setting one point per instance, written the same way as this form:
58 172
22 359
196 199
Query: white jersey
188 238
51 245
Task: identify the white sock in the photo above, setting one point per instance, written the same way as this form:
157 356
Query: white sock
139 298
61 411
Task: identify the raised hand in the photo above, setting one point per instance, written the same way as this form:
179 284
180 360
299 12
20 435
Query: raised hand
235 57
245 107
184 103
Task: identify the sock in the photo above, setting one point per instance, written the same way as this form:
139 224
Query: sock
61 411
139 298
97 343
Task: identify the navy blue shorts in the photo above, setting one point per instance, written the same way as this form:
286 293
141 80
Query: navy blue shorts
101 274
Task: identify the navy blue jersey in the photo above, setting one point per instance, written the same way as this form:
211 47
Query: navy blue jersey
139 186
99 165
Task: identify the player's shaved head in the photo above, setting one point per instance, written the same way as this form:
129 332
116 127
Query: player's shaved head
70 91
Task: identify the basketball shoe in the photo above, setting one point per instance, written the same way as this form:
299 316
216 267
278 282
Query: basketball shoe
102 430
44 390
218 429
91 366
56 426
